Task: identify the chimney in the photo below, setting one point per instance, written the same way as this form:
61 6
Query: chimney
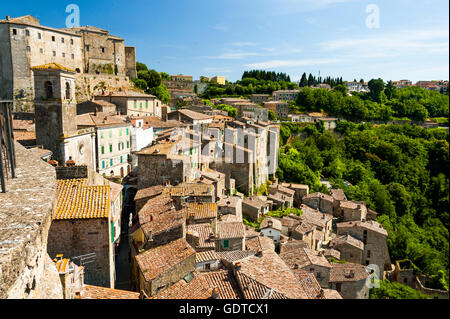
8 18
237 266
321 293
259 253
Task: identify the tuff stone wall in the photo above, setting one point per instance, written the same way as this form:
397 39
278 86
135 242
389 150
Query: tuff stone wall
74 238
353 289
25 218
156 170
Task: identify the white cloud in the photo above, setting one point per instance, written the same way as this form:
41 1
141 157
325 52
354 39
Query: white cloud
290 63
244 44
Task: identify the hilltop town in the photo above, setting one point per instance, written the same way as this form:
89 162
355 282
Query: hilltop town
109 192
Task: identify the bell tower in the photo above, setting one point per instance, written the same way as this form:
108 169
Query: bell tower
55 107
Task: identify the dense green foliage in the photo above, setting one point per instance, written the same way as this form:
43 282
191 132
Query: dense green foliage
232 111
400 171
266 75
395 290
150 81
383 103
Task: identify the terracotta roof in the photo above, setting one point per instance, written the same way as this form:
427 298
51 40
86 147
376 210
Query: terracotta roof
293 245
308 282
191 189
159 215
101 119
193 115
196 288
250 232
266 223
304 228
282 189
157 261
230 230
225 282
77 200
201 211
321 195
53 66
22 125
332 294
315 217
203 231
149 192
369 225
348 272
255 202
338 194
234 255
260 243
347 239
332 253
253 289
304 257
206 256
271 271
95 292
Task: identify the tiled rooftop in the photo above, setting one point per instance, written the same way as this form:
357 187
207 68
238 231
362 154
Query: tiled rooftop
347 239
234 255
158 260
76 200
204 256
230 230
369 225
225 282
203 230
303 257
149 192
201 211
95 292
315 217
348 272
196 288
271 271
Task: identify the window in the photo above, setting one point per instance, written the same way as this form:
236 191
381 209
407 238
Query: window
41 51
63 55
120 132
62 40
68 91
28 48
111 162
368 254
338 287
87 48
14 31
103 164
101 135
128 144
71 41
27 33
127 131
103 150
207 266
121 159
39 36
110 148
135 104
146 104
73 56
226 244
103 50
54 53
49 89
53 38
110 134
118 146
140 105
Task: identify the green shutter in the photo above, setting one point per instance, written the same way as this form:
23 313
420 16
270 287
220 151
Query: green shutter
112 231
226 243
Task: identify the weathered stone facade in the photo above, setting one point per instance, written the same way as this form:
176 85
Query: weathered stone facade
74 238
25 218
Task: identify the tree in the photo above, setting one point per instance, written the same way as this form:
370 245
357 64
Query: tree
341 88
303 81
140 83
272 115
161 93
311 80
141 67
390 90
376 86
165 76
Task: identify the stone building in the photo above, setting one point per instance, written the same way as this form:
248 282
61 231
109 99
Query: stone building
285 95
71 276
373 236
161 267
25 44
113 142
83 224
311 261
319 201
254 208
300 192
271 228
207 261
229 236
305 232
55 113
96 106
133 103
280 108
321 221
201 213
260 98
230 206
174 161
338 197
351 249
144 195
350 280
158 224
352 211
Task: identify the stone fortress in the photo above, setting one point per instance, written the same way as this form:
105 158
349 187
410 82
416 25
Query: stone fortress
99 58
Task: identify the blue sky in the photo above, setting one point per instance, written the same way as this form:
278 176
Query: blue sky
209 37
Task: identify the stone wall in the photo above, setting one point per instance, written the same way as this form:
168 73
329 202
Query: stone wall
353 289
74 238
71 172
89 85
25 219
156 170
